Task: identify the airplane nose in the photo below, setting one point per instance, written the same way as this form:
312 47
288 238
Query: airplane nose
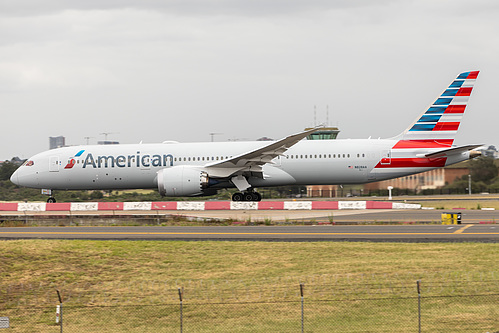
15 177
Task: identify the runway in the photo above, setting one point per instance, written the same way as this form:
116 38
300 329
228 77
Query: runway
346 216
376 233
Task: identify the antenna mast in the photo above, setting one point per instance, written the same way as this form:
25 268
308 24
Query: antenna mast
315 115
213 135
88 138
327 115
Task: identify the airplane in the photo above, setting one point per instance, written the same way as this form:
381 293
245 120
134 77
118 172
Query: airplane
203 168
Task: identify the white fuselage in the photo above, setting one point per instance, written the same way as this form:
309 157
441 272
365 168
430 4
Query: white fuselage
306 163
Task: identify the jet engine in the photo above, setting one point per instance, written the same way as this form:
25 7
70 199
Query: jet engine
183 180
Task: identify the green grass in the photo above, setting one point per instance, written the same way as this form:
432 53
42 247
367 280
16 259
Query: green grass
122 286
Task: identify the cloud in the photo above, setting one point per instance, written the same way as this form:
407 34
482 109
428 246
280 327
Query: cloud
159 70
263 8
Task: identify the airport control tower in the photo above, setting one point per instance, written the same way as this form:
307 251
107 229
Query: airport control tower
325 133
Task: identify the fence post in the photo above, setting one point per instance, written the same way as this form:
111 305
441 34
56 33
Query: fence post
181 308
60 308
302 312
418 283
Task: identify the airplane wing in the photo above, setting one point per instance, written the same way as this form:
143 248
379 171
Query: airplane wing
253 161
452 151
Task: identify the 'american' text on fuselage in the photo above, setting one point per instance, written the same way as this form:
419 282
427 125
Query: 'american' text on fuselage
122 161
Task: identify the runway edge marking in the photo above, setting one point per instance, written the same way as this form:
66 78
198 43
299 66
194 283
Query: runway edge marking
203 205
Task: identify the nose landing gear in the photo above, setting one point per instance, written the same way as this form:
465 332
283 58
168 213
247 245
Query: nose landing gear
50 193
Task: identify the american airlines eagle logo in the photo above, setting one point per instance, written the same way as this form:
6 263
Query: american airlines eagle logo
72 161
70 164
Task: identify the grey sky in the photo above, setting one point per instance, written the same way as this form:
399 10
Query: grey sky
177 70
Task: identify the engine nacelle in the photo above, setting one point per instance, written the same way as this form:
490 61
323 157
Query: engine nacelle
183 180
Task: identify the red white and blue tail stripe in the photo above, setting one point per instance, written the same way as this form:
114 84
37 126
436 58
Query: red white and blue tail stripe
438 125
418 148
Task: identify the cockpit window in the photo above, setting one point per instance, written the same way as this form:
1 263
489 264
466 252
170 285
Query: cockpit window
29 163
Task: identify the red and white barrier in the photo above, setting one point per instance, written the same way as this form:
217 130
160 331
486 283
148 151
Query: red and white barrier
202 205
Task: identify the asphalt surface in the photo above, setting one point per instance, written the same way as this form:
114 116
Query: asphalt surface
377 225
416 216
397 233
282 216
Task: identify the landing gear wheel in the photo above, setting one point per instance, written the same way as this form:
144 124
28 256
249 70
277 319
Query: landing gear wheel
257 196
248 196
51 200
237 196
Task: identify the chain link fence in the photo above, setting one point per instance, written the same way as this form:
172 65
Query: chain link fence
320 304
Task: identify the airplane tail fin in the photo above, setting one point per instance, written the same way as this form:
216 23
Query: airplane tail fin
437 126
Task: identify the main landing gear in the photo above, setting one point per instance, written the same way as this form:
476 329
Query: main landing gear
248 193
247 196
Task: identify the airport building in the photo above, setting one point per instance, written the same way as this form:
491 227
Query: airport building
432 179
57 142
108 142
429 180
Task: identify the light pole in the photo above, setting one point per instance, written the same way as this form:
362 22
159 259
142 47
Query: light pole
469 184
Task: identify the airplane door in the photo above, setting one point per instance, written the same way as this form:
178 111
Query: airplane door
54 164
386 157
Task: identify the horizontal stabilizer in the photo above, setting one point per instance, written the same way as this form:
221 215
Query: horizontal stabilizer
452 151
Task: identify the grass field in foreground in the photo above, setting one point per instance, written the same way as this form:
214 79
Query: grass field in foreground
117 284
